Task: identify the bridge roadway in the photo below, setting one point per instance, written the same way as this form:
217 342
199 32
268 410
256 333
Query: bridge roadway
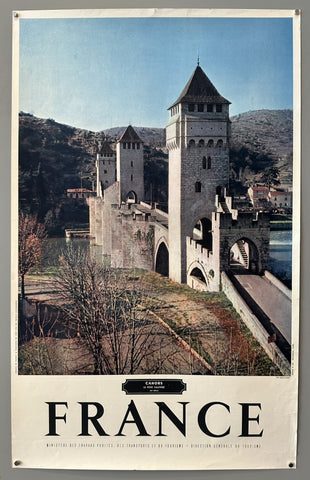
272 301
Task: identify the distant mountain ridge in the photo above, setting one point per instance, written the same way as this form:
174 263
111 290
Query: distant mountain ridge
54 157
268 137
266 131
149 135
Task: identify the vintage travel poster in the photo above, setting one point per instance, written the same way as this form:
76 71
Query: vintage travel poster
155 239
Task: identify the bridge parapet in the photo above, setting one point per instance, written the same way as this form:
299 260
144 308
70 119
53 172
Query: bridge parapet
199 249
259 331
243 220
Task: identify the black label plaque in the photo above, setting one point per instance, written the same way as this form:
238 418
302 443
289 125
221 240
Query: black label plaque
154 387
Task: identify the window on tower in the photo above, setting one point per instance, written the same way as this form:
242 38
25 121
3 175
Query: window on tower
204 163
218 108
191 107
200 107
191 143
201 143
138 146
209 107
133 146
209 163
198 187
124 145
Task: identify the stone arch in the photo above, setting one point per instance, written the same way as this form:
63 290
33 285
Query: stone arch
244 255
202 233
131 197
210 143
197 272
191 143
162 258
220 143
201 143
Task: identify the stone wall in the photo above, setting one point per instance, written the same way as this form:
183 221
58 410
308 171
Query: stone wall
106 172
254 228
132 241
277 283
195 173
255 326
130 171
177 247
206 262
160 235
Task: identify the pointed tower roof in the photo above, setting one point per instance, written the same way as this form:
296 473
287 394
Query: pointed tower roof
200 89
106 149
130 135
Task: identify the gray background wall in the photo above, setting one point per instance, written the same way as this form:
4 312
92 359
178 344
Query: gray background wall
6 473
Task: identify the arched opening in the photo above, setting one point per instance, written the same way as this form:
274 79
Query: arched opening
204 163
197 273
219 143
198 187
244 257
162 260
210 143
191 143
209 163
202 233
131 197
201 143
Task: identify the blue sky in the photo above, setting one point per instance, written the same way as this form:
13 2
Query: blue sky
100 73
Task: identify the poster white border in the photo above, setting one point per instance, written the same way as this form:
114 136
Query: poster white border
19 384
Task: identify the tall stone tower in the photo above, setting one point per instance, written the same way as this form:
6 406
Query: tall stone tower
197 140
105 167
130 165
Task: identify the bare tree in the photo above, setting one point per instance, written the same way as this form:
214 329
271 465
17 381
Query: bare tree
31 234
109 313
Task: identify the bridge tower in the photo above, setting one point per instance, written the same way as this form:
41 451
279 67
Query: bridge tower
105 167
197 138
130 165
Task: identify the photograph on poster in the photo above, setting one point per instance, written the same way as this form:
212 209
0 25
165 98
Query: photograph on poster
155 230
145 249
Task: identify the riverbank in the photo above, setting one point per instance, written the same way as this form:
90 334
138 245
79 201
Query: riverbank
206 322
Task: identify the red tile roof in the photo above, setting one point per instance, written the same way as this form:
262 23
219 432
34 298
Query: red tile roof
277 194
258 189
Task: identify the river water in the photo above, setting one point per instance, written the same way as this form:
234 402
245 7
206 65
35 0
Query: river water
280 258
280 254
